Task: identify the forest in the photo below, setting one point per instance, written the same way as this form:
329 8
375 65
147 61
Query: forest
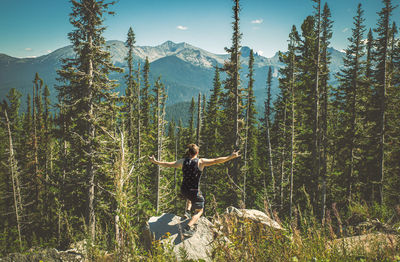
321 158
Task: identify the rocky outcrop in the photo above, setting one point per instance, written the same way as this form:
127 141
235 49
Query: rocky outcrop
167 228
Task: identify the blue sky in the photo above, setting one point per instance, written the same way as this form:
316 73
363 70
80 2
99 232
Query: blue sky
33 28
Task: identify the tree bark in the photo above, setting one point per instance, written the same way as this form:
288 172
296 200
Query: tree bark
90 166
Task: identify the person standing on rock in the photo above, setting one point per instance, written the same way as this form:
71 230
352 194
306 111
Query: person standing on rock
192 168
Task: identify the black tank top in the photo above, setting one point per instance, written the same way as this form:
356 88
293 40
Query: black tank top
191 173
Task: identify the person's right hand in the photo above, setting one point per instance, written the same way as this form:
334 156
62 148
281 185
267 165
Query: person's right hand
235 154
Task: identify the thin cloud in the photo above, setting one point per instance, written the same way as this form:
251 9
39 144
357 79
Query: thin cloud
181 27
28 49
345 30
260 52
257 21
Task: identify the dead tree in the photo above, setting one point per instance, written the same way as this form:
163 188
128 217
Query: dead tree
15 182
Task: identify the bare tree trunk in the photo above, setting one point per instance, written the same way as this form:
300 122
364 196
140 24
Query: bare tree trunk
198 129
120 198
15 182
139 114
245 152
383 114
175 170
271 167
316 145
90 165
324 149
160 133
292 152
158 155
283 157
64 172
35 143
292 140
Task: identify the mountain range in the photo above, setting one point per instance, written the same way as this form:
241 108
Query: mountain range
186 70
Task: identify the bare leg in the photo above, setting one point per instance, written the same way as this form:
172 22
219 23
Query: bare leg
196 217
188 204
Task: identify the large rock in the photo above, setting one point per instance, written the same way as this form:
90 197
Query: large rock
168 229
255 216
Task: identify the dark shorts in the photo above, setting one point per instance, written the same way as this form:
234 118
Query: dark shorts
195 196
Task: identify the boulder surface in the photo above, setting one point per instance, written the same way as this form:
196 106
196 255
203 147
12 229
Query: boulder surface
168 229
256 216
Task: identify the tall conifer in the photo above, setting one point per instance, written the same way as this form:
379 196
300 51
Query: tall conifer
87 94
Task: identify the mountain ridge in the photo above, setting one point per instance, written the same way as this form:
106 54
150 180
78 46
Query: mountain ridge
186 70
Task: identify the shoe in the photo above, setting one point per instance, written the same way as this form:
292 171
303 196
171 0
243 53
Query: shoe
188 231
187 214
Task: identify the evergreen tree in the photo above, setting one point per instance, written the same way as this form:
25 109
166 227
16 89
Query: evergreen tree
268 138
349 100
87 95
190 135
326 30
213 118
130 87
307 158
250 150
145 96
393 124
383 80
233 98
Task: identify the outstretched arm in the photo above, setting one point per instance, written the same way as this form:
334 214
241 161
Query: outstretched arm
175 164
219 160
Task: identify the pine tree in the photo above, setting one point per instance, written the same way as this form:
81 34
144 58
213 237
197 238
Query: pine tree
139 114
326 30
349 101
190 136
393 124
130 87
316 149
87 95
369 166
267 128
145 96
285 113
213 117
382 77
233 98
307 157
250 149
